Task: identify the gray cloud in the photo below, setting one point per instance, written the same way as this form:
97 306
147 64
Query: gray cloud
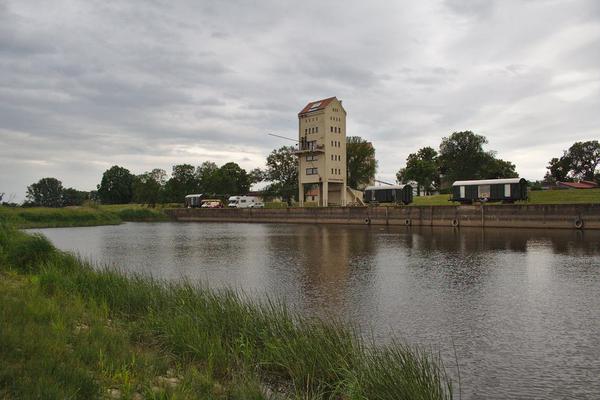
144 84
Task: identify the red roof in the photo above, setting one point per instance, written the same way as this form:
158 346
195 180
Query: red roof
316 105
578 185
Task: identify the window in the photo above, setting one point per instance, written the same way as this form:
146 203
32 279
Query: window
331 171
312 171
311 157
317 129
507 190
484 191
331 128
462 192
306 131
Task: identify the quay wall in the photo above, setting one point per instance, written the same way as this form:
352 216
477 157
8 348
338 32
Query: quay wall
555 216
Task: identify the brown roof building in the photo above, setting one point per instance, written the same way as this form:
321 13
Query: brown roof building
578 185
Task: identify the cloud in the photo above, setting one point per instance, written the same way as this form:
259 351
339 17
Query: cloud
145 84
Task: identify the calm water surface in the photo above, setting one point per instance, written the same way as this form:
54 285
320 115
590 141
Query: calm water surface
521 308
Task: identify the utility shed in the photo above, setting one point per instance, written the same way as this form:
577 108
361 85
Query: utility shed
388 194
506 190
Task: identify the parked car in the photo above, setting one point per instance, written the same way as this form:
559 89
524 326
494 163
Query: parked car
212 203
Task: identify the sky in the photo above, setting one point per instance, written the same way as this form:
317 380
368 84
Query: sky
146 84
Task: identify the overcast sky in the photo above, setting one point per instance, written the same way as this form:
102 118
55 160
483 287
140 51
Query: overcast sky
85 85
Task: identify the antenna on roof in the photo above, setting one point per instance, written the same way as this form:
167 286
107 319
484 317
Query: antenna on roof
283 137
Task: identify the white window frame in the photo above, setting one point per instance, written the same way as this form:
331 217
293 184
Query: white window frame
507 190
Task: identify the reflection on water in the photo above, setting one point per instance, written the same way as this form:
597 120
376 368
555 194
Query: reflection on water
520 307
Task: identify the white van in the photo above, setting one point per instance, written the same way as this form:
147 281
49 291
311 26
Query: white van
245 202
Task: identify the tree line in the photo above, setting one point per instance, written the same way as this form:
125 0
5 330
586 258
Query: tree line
460 156
119 186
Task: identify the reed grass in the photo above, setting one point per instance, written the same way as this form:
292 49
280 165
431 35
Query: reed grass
40 217
220 343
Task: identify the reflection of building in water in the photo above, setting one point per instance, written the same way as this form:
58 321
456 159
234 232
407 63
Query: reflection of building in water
328 258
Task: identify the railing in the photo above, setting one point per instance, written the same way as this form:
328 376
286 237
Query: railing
309 147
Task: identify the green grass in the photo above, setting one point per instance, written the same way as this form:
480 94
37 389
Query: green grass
68 331
567 196
40 217
435 200
588 196
55 217
276 204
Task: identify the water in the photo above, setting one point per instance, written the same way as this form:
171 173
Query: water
520 308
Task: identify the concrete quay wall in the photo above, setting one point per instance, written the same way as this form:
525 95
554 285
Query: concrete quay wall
556 216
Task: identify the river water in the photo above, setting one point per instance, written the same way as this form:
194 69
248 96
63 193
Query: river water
519 308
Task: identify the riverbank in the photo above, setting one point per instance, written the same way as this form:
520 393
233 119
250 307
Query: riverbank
71 331
41 217
559 216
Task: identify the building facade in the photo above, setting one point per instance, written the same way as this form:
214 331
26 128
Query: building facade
322 153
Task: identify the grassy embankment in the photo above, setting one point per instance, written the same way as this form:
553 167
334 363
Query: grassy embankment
68 331
39 217
588 196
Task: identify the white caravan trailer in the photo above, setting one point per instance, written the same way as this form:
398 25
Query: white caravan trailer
245 202
193 200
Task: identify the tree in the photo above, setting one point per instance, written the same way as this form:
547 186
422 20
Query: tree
116 186
256 175
422 168
282 171
558 170
461 156
73 197
148 187
47 192
584 158
496 168
360 162
183 182
580 161
231 179
207 175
